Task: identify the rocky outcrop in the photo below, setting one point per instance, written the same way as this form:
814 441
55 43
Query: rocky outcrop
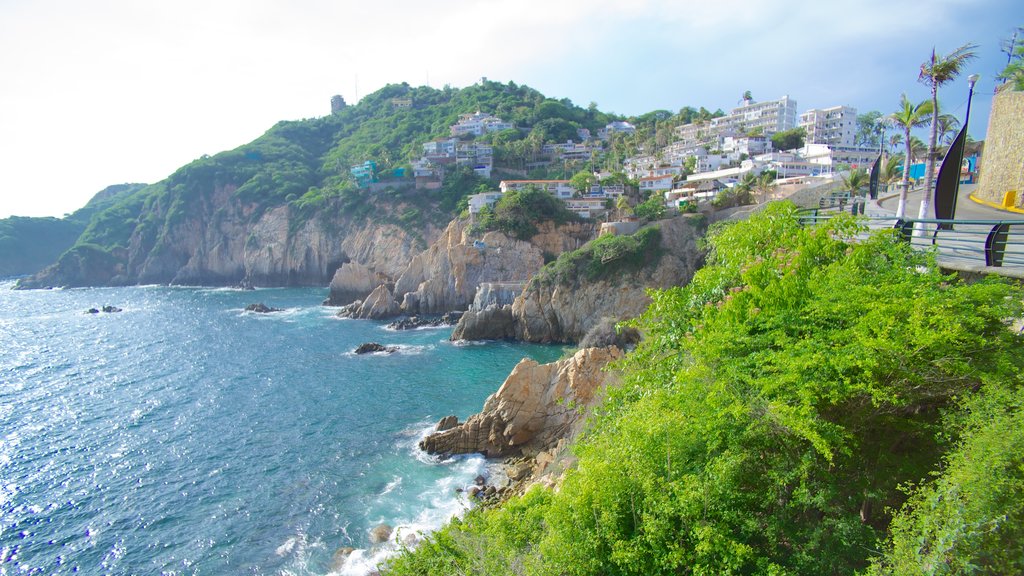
379 305
353 281
536 406
567 311
374 347
414 322
261 308
446 276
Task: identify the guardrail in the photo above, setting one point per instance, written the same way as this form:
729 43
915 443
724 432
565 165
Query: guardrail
971 243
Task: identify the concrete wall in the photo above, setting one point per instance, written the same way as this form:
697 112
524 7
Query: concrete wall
1002 164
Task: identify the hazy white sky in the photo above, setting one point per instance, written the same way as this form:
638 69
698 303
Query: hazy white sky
110 91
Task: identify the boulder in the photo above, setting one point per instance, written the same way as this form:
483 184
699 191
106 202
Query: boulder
536 406
339 558
261 308
446 423
371 347
380 533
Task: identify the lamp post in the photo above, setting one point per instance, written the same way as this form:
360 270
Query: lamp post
971 81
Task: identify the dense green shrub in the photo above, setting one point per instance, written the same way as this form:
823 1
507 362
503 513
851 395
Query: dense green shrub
517 213
775 409
603 257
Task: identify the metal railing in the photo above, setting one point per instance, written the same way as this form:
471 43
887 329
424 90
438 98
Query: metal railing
959 243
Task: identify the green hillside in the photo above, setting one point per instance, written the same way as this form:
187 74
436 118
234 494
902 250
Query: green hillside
28 244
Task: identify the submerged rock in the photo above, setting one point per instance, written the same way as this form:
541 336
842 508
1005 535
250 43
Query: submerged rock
106 309
371 347
339 558
261 308
380 533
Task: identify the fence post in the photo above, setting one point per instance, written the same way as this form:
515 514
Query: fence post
995 244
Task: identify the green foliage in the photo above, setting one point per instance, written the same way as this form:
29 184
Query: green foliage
1014 70
775 408
651 209
970 519
603 257
789 139
517 213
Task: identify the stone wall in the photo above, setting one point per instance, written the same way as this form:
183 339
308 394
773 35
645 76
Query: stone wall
1002 165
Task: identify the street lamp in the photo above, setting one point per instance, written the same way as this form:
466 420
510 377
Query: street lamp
971 81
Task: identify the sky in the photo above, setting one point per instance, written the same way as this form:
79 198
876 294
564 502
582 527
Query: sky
112 91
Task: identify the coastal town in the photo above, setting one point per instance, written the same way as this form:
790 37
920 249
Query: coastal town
703 158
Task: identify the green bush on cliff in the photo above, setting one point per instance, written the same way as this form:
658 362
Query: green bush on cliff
517 213
774 415
602 257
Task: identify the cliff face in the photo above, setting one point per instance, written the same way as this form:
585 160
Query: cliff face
537 406
446 276
221 240
566 311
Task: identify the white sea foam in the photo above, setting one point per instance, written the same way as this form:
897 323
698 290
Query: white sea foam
435 505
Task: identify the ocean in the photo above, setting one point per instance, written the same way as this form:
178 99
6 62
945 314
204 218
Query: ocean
184 435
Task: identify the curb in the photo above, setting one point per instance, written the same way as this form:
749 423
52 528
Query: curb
1015 210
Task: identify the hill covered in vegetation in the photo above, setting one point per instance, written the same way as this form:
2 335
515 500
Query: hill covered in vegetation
28 244
209 221
806 405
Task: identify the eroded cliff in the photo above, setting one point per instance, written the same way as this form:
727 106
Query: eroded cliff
562 303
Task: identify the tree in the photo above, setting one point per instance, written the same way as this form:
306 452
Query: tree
949 126
622 207
908 116
867 129
1014 71
938 70
583 181
789 139
855 181
766 185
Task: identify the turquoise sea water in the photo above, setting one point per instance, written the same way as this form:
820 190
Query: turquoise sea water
186 436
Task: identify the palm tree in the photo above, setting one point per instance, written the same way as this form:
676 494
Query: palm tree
918 149
895 140
939 70
765 186
891 170
622 206
855 181
949 126
908 116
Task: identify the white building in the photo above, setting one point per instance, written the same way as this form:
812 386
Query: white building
656 183
766 117
557 188
478 201
835 126
615 128
478 124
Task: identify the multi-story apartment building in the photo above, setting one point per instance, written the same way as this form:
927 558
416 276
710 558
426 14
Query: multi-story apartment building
478 124
764 117
835 126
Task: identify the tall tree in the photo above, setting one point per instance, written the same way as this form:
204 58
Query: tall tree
908 116
938 70
868 133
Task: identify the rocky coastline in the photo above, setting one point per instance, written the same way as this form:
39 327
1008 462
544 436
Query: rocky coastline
531 418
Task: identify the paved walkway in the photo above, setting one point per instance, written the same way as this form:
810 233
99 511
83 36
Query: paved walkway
966 209
962 248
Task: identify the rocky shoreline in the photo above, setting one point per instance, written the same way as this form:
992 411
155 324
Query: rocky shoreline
531 419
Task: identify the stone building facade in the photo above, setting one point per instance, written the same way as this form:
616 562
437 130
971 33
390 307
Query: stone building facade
1002 165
